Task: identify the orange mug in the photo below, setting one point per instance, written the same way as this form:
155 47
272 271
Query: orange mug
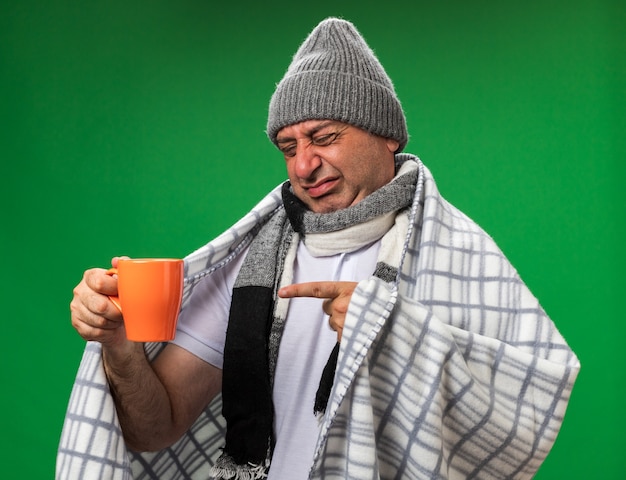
150 292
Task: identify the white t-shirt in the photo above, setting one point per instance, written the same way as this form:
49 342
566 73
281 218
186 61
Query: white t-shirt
304 349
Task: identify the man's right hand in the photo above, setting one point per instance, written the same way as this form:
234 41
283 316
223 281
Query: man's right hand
93 315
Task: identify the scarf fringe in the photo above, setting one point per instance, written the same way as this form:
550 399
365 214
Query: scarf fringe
225 467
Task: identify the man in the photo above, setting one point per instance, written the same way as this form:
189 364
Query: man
438 362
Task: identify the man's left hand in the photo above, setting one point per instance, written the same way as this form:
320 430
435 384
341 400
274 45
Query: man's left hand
336 297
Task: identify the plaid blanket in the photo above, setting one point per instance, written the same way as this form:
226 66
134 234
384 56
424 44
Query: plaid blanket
453 372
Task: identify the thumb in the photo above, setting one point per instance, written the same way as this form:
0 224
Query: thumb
114 260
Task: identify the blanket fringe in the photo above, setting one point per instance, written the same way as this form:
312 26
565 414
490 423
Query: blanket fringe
225 467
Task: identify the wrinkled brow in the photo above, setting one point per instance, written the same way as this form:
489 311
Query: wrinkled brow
309 133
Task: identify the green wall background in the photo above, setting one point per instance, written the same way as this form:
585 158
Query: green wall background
137 128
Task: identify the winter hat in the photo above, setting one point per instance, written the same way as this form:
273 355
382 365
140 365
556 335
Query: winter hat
335 75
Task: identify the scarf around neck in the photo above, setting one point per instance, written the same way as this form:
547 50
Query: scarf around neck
257 314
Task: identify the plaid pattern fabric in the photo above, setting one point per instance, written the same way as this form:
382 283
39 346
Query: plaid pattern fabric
453 372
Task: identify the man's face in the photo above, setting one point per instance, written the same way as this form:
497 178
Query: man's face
333 165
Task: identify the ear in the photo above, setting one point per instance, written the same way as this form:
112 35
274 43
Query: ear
392 144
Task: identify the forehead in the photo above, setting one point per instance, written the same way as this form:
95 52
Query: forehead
307 128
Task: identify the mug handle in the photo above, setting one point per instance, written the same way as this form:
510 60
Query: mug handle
115 300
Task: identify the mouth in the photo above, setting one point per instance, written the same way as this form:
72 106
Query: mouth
321 188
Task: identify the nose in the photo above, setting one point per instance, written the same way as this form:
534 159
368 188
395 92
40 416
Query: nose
306 160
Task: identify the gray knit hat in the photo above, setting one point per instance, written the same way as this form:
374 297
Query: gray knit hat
334 75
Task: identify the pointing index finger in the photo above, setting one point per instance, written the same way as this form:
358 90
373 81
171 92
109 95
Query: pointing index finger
313 290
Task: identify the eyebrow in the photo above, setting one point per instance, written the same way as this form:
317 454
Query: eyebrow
312 131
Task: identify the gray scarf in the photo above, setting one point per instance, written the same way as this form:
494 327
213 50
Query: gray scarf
257 315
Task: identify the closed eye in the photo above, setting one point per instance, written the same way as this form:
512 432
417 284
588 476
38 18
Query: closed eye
324 140
317 137
288 150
